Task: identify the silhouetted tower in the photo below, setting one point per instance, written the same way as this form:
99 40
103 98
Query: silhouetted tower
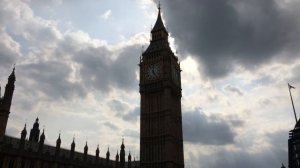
122 155
5 101
41 143
117 159
57 148
72 149
97 155
161 142
129 160
85 152
107 157
35 132
23 138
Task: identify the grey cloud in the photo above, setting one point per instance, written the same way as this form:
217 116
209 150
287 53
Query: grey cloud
99 71
237 159
132 115
49 78
233 89
131 133
221 34
117 106
111 125
9 50
210 130
271 157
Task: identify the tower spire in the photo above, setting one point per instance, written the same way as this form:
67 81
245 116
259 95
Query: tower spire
159 25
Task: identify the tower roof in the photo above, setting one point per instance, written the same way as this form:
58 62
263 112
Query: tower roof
159 25
12 76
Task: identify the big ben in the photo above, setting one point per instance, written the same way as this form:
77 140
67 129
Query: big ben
161 142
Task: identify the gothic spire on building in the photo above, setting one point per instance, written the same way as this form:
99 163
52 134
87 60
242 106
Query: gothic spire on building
97 154
57 148
107 157
35 131
85 152
41 142
72 148
129 160
23 138
122 155
159 25
5 102
159 38
117 159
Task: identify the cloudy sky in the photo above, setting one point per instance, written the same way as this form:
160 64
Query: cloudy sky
77 71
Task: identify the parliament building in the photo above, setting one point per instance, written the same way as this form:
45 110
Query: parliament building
161 141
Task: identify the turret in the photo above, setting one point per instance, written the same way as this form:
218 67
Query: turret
72 149
129 160
117 159
41 143
57 148
85 152
97 155
5 102
23 138
122 155
35 131
107 157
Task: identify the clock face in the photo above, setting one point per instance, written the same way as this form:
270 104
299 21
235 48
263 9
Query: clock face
153 72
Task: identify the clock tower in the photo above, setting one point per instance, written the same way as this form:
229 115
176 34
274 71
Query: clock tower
161 143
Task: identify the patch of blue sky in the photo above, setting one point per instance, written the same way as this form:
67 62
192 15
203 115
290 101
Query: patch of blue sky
126 17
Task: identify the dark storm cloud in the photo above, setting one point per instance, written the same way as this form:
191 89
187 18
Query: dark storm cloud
98 70
210 130
223 33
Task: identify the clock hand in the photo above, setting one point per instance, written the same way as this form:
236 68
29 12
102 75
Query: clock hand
153 72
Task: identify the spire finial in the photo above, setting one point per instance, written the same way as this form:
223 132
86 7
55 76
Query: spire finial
159 7
14 67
